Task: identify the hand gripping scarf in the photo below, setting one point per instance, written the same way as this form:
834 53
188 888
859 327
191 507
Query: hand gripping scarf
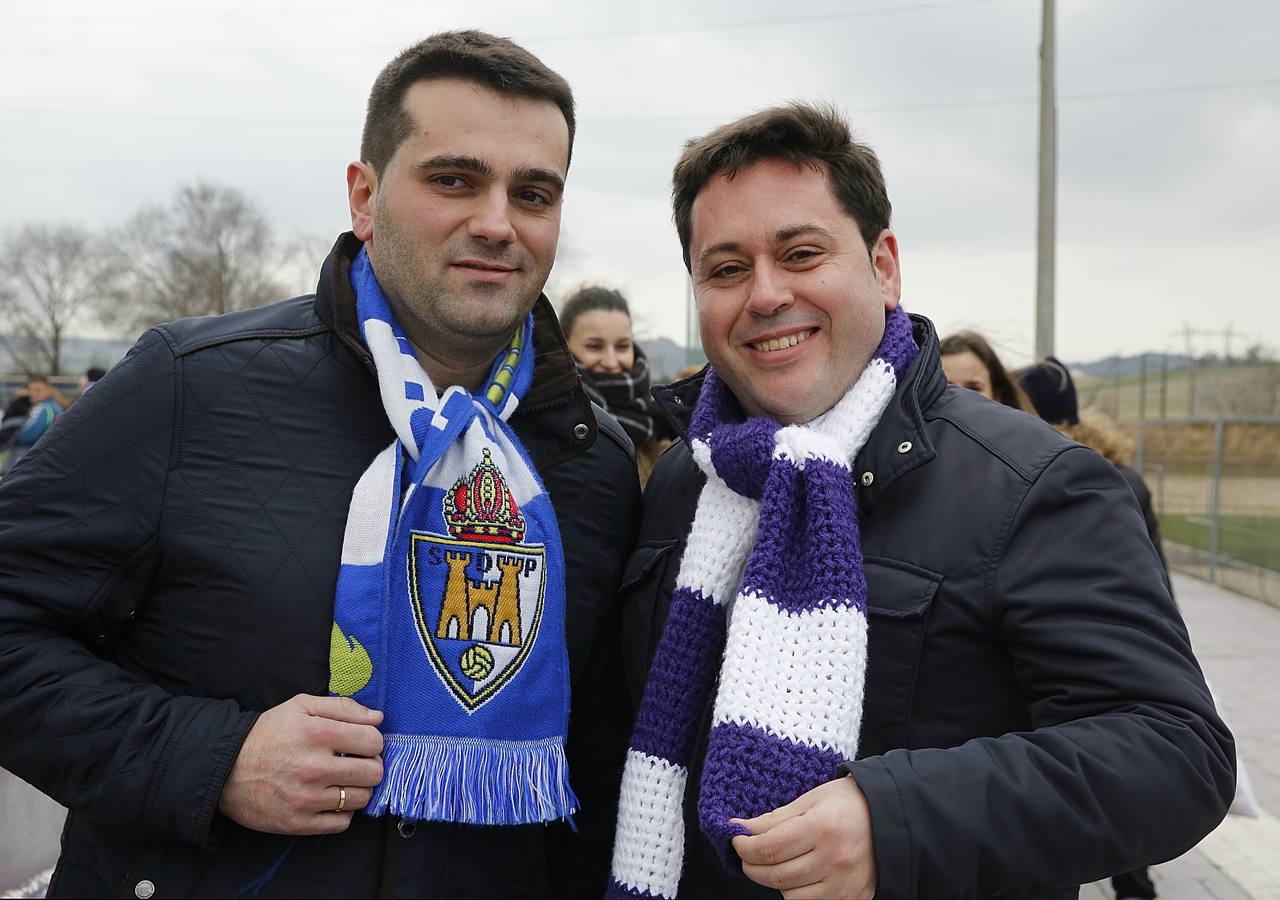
771 591
449 612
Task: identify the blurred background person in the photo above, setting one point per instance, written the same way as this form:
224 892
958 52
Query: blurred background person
597 326
1052 394
969 362
92 376
45 406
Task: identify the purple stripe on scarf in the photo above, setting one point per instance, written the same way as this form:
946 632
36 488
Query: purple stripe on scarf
807 553
897 347
741 453
716 404
681 679
749 772
619 891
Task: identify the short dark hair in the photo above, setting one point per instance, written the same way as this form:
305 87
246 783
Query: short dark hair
95 373
493 62
1004 387
588 298
802 133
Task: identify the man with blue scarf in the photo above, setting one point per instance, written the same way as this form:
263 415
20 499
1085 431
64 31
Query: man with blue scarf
318 599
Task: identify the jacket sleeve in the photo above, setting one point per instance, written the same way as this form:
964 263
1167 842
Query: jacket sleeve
1128 763
79 542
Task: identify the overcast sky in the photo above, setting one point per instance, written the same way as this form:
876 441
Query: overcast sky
1169 136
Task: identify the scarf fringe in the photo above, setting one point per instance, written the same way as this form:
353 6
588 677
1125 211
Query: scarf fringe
474 781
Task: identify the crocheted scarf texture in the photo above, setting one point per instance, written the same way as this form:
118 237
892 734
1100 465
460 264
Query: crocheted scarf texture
770 595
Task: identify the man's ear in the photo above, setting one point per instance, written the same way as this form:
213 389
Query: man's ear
362 187
884 259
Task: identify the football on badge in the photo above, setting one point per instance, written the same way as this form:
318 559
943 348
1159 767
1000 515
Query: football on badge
476 662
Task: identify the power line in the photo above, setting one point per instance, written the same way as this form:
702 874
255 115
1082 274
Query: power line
1082 97
771 22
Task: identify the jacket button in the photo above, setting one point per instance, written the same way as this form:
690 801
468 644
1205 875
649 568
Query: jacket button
867 478
675 398
144 890
904 447
405 828
580 431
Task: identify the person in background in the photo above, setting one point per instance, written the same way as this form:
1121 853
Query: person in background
45 407
1051 394
969 362
613 369
92 376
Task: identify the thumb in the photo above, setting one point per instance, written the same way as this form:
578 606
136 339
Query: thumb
340 709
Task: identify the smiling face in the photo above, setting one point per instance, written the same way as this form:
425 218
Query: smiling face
601 341
790 303
461 225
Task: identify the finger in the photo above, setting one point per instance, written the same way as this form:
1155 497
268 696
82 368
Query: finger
353 771
788 840
774 818
794 873
819 891
328 822
327 799
343 737
341 709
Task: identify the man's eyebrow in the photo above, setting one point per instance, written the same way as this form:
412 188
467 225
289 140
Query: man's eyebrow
783 235
539 176
723 247
463 163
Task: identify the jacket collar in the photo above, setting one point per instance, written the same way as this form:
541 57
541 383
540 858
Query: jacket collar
555 377
899 442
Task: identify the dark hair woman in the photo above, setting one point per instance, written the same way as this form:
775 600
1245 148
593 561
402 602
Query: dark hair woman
970 363
597 326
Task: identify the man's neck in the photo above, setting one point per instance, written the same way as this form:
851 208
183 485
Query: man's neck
445 372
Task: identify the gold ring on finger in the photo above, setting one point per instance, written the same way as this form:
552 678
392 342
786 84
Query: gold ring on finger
342 799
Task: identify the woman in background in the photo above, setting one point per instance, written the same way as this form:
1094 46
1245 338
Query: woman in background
597 326
969 362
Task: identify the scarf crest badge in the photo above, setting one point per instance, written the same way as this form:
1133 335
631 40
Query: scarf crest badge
449 607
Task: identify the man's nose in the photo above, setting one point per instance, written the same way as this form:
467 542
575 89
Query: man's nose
770 292
491 221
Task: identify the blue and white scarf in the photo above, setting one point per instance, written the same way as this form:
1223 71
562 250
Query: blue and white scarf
449 612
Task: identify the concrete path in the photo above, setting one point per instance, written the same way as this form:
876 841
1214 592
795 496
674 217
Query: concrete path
1237 641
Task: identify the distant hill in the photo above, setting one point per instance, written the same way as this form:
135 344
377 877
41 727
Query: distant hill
666 358
1114 366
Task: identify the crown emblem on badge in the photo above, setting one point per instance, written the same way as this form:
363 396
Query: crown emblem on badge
479 507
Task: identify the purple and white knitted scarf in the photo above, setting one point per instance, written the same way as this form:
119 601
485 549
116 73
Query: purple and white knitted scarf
771 591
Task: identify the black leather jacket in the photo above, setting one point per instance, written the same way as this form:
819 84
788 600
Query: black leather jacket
1034 718
168 556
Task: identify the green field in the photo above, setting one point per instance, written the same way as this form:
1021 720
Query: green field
1250 539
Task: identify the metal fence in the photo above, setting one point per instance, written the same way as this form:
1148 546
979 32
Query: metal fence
1215 482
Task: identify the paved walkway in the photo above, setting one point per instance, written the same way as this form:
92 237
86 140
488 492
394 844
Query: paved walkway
1237 641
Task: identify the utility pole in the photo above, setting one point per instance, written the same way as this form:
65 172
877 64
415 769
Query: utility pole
1047 208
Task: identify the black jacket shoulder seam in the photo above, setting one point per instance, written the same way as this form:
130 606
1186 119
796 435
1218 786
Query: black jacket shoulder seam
256 334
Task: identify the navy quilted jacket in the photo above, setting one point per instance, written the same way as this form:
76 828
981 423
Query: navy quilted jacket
167 562
1034 717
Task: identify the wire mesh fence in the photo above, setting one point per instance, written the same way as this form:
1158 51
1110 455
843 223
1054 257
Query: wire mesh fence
1215 483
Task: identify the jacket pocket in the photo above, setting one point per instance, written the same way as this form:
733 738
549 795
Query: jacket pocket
647 582
899 597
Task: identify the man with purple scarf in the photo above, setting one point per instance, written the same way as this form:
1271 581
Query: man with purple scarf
899 641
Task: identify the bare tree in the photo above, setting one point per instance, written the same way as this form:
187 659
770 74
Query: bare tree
51 278
209 251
